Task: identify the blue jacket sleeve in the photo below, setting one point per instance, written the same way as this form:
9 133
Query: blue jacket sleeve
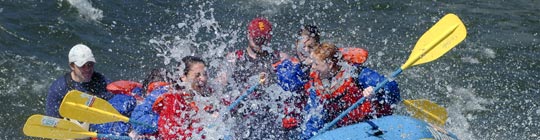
291 77
369 77
143 113
55 95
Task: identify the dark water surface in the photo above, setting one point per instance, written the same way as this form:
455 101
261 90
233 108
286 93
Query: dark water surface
488 83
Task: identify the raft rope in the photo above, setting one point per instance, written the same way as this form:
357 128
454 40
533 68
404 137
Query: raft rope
374 127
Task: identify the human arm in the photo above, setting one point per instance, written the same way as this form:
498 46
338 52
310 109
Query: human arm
54 97
291 76
390 92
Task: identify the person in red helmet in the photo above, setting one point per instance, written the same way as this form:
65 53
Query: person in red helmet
242 71
259 33
257 57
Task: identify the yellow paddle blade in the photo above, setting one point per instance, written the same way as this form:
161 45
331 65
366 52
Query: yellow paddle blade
439 39
427 110
87 108
54 128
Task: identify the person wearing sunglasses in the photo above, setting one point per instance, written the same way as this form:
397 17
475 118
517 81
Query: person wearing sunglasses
242 71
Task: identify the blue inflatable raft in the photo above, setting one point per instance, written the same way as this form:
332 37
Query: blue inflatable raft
393 127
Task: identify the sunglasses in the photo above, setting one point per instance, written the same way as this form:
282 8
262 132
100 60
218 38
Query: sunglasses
260 40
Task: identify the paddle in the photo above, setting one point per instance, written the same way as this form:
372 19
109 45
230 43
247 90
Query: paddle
427 110
262 78
55 128
87 108
439 39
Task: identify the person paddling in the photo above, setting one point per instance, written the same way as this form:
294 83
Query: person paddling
82 77
244 67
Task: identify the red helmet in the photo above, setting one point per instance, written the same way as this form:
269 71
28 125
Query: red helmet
259 30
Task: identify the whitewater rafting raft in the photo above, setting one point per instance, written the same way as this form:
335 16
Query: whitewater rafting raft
439 39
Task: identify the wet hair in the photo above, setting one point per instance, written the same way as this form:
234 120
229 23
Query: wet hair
188 61
327 52
156 75
184 66
312 31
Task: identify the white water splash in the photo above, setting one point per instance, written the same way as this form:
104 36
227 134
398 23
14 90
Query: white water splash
86 10
470 60
270 7
186 42
465 101
184 39
489 53
14 70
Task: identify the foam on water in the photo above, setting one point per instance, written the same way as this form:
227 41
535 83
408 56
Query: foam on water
23 91
86 10
470 60
12 68
489 53
465 102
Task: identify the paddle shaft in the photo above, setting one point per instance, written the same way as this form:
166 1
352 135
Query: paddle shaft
131 121
237 101
114 137
66 131
357 103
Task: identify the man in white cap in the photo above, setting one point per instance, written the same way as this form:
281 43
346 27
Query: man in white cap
82 77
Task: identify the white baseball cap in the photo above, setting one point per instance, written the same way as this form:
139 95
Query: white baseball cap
80 54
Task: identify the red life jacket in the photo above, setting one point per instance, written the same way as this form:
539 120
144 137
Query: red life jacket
354 55
350 55
176 117
340 97
155 85
124 87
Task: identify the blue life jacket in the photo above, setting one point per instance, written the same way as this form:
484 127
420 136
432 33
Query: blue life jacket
143 113
124 104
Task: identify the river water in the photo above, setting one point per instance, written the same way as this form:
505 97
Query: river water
488 83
